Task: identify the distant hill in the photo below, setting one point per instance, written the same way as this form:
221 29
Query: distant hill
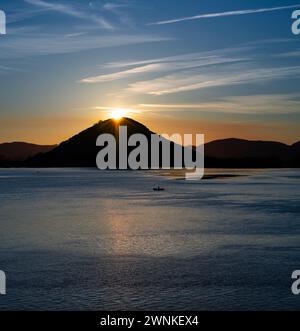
239 148
296 153
20 151
296 148
81 150
244 153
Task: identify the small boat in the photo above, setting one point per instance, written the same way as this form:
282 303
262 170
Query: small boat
158 189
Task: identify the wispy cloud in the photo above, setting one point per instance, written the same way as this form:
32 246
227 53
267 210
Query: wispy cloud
114 7
254 104
238 65
118 9
22 15
167 64
42 38
37 44
205 55
121 74
224 14
249 104
7 69
72 11
295 54
190 81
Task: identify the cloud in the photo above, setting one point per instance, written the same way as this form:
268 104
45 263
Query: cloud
72 11
117 9
175 63
224 14
190 81
295 53
206 55
180 106
18 16
121 74
40 38
37 44
110 6
6 69
249 104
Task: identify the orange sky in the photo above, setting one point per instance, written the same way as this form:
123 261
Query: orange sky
52 130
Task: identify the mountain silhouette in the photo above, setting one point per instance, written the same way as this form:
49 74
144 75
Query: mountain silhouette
296 153
244 153
296 148
20 151
239 148
81 150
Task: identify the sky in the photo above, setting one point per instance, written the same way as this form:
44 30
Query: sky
223 68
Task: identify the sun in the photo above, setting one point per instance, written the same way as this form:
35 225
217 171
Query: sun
118 113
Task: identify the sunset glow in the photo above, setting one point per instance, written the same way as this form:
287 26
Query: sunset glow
118 113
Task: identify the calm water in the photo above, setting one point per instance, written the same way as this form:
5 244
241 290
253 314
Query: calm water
85 239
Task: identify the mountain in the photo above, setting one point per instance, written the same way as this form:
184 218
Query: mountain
81 150
296 152
244 153
239 148
20 151
296 148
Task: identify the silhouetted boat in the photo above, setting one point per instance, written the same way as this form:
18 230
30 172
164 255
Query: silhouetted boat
158 189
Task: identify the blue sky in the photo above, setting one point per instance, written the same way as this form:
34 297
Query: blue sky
223 68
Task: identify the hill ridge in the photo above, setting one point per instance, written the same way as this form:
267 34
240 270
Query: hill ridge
80 150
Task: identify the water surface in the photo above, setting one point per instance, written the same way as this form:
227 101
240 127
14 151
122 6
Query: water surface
85 239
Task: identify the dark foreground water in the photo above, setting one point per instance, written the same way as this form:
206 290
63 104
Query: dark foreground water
85 239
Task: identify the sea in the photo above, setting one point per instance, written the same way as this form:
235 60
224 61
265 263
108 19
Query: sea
85 239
